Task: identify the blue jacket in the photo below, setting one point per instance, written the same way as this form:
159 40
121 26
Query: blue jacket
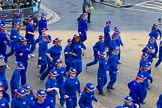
150 55
13 33
119 41
19 103
3 74
4 103
3 46
112 45
86 99
67 50
154 33
160 50
55 53
42 24
82 26
99 46
29 28
43 47
6 96
46 104
107 31
3 21
159 102
132 106
15 79
15 20
103 66
135 91
31 99
50 84
71 86
61 76
25 51
113 63
77 49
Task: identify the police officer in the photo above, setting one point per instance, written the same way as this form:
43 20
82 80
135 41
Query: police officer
101 76
71 86
83 27
15 79
97 49
30 36
113 68
160 55
77 51
88 96
53 54
107 37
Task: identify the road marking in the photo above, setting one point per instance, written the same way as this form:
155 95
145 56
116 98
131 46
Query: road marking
144 2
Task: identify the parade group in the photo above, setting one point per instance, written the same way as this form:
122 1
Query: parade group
62 81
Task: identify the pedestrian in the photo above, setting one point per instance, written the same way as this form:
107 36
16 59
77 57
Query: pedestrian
87 7
22 56
61 71
71 86
83 27
53 54
41 100
101 75
77 51
98 48
14 39
160 55
20 100
67 54
3 101
42 24
107 37
88 96
159 102
30 37
135 88
128 103
51 87
42 58
113 68
15 79
155 31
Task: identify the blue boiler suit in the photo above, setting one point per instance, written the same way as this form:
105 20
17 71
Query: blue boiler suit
145 62
119 43
107 38
14 41
24 60
43 47
112 45
77 60
131 106
50 83
112 63
42 25
55 53
15 80
45 104
83 28
99 46
30 37
70 87
67 57
4 103
160 55
101 76
159 102
3 78
60 82
31 99
19 103
86 99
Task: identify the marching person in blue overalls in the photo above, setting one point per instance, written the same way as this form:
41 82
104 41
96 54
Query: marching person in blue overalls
14 38
101 76
113 68
88 96
61 71
53 54
98 48
71 86
155 31
4 92
83 27
159 101
135 88
4 42
67 54
77 51
112 43
16 18
3 101
43 47
160 55
15 79
3 19
42 23
20 100
22 55
30 37
107 37
51 87
29 95
41 100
